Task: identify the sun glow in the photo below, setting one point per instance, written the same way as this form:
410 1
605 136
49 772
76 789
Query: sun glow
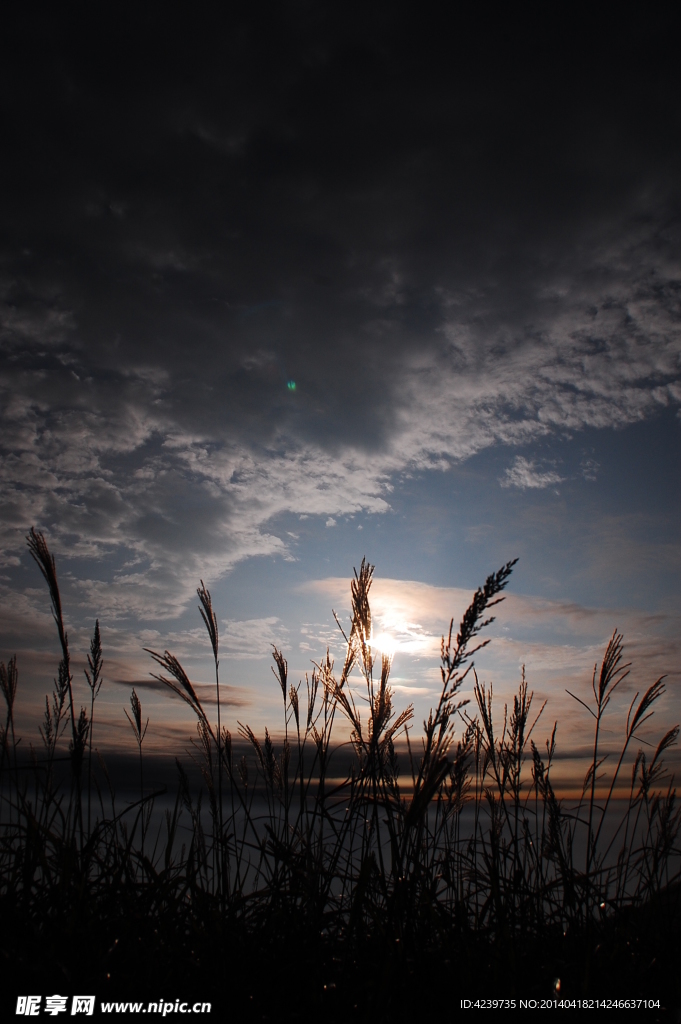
385 643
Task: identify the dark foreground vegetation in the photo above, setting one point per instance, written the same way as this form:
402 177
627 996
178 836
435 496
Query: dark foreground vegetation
280 891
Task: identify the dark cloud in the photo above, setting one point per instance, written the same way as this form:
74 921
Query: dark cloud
230 696
447 238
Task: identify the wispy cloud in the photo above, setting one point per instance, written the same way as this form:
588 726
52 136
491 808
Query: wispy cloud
525 473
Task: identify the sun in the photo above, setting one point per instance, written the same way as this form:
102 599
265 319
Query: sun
385 643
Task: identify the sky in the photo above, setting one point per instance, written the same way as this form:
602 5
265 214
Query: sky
286 286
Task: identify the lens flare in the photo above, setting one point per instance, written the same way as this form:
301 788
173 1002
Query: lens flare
291 385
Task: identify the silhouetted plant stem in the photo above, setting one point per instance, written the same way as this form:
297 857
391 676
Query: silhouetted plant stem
139 732
610 677
9 677
45 562
93 674
211 623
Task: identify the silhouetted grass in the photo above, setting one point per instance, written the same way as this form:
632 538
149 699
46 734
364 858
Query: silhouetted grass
437 868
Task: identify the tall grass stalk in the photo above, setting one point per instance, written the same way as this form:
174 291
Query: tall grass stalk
93 675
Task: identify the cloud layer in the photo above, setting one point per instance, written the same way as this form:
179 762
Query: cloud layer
441 260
